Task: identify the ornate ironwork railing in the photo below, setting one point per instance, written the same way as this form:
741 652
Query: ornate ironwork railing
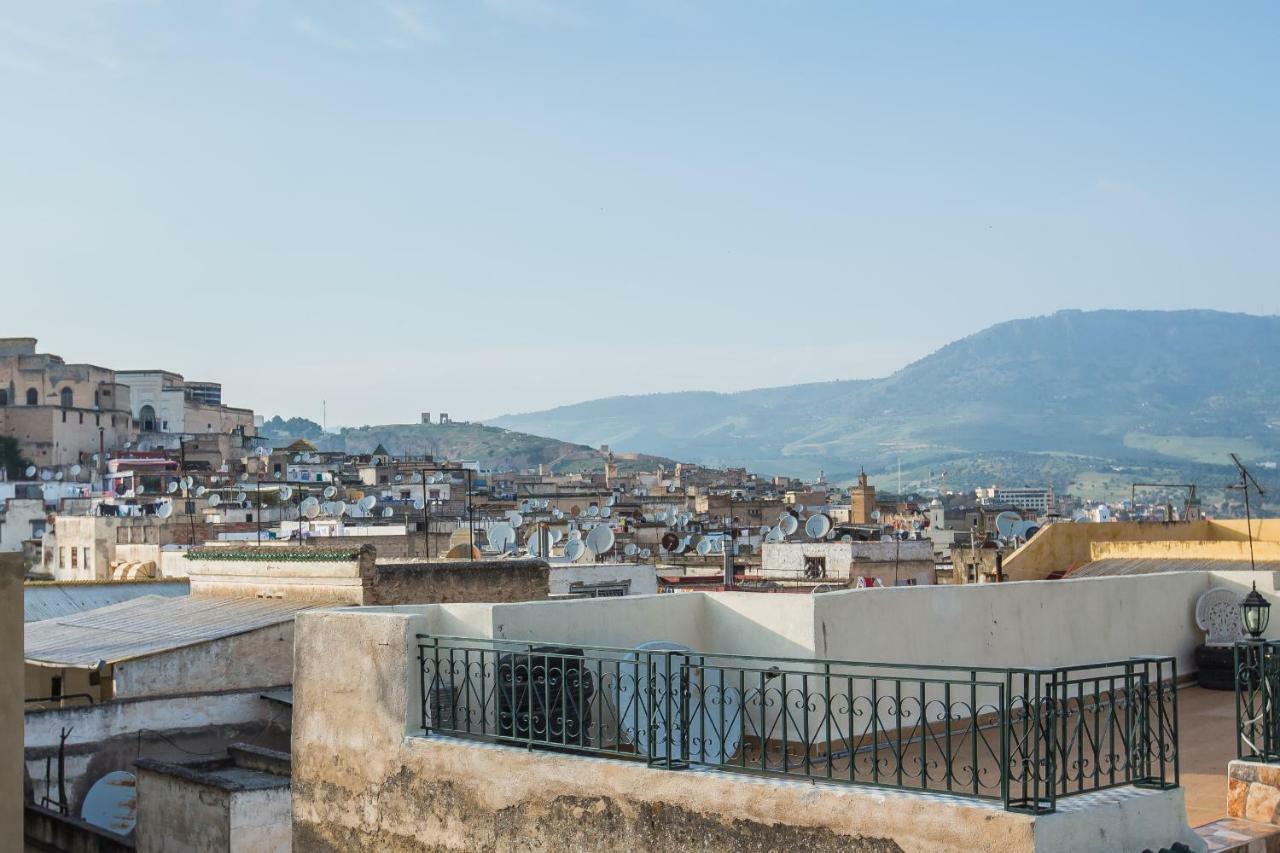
1022 737
1257 667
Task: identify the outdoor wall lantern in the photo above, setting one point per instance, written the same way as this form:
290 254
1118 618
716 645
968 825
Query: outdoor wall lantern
1255 611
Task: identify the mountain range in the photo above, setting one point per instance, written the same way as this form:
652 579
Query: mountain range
1161 391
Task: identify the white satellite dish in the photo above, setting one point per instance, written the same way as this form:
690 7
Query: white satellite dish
818 526
297 458
707 687
501 535
600 540
704 547
367 502
644 553
611 500
557 514
514 518
286 492
339 507
661 516
241 497
605 512
554 536
774 535
593 511
31 471
387 512
330 491
419 504
75 470
112 803
214 500
57 476
140 489
309 501
799 508
399 478
46 476
200 490
788 524
574 549
525 505
173 487
165 510
1005 522
630 550
244 478
875 515
311 511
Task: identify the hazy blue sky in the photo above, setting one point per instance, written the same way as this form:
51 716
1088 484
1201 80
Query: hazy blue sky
483 207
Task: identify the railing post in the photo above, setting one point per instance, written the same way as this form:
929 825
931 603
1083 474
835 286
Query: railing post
422 683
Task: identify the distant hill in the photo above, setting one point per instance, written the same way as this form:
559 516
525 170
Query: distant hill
492 447
1162 390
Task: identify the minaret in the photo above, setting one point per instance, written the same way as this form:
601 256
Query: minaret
862 500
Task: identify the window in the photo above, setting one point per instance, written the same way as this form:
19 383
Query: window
148 417
67 399
82 417
4 396
74 561
33 397
55 686
815 567
62 558
85 558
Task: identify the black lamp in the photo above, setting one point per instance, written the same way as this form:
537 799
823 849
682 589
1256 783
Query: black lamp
1255 611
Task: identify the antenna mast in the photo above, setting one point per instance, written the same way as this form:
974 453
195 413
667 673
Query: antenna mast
1246 479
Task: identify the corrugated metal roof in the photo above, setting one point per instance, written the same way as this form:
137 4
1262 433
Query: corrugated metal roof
48 601
1153 565
151 624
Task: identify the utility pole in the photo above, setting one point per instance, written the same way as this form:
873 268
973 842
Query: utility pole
1245 480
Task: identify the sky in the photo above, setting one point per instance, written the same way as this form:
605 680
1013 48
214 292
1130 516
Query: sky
365 210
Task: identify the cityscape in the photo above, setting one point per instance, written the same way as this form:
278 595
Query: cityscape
550 426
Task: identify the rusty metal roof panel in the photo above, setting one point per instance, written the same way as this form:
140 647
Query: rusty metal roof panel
51 600
151 624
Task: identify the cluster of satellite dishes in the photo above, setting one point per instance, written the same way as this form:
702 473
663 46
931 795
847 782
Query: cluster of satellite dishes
49 475
1011 527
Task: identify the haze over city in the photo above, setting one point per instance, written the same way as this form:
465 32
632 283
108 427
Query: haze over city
397 206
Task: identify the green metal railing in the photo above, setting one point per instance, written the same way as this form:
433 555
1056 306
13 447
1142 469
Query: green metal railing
1022 737
1257 668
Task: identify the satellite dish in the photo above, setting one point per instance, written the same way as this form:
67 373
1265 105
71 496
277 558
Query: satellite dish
31 470
525 505
339 507
799 508
631 550
387 512
611 500
704 547
297 458
200 490
330 491
240 497
286 492
112 803
308 501
644 553
605 512
140 489
399 478
311 511
173 487
1031 530
775 534
46 476
75 470
514 518
1005 522
593 511
557 514
818 526
846 538
574 550
367 502
188 481
501 535
788 524
214 500
670 541
875 515
57 476
419 504
600 540
244 478
662 515
165 510
708 742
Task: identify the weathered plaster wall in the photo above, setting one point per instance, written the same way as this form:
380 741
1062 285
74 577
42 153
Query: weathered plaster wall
345 580
262 821
112 735
258 658
376 786
178 816
11 694
445 581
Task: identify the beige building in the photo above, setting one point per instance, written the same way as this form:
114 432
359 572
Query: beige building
862 501
61 414
164 402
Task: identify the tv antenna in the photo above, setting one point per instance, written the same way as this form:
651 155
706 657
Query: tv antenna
1246 480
